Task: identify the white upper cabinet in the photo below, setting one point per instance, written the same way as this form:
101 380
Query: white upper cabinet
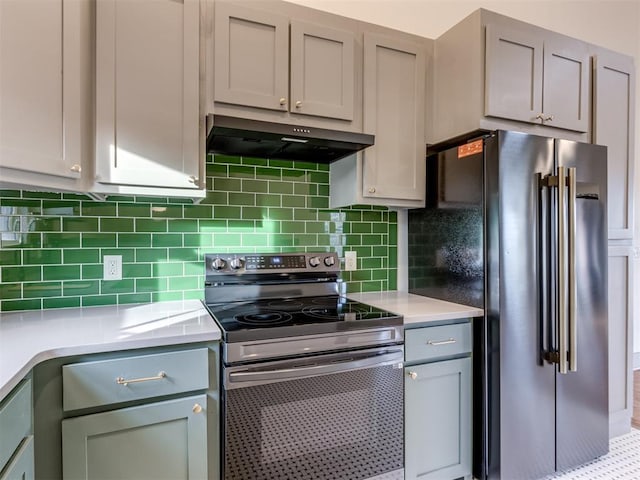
43 93
613 126
148 122
534 77
265 60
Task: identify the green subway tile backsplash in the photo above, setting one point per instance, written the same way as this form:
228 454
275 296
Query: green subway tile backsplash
52 244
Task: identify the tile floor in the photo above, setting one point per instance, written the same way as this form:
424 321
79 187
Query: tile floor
621 463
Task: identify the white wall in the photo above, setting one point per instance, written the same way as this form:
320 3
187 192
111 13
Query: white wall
613 24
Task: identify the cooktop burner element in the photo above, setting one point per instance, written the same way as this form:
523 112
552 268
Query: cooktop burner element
263 319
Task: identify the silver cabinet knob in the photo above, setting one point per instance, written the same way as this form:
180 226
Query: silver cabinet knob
298 104
329 261
218 264
193 179
548 118
283 101
76 168
372 189
236 263
540 117
197 408
413 375
314 261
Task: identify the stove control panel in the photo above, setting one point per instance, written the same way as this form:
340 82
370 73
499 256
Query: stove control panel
239 263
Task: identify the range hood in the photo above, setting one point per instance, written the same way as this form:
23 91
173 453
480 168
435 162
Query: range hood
253 138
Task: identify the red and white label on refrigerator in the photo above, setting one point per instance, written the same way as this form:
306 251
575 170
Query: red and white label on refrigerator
470 148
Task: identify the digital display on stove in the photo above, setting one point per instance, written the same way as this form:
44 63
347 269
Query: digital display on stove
269 262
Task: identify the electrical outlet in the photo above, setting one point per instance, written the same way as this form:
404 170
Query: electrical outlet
350 260
112 267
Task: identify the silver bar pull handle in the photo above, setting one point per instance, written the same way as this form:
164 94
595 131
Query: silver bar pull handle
562 280
125 382
441 342
573 330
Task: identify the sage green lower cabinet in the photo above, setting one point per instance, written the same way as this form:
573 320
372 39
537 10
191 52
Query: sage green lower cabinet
437 400
21 466
163 440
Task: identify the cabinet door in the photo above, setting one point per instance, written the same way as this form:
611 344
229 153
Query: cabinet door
565 91
322 71
513 74
620 340
165 440
251 57
21 466
147 93
613 126
438 420
39 87
394 111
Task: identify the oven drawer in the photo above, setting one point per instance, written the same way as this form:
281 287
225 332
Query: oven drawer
105 382
431 343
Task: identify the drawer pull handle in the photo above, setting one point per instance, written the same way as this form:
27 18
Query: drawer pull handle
413 375
441 342
125 382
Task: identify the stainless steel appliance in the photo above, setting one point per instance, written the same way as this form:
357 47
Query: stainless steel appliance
312 381
516 224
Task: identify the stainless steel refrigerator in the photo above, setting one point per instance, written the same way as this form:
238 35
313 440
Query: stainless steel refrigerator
516 224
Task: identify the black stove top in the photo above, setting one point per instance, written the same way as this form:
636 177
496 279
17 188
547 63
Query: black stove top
288 317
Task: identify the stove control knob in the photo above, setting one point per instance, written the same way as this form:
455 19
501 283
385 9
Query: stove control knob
218 264
314 261
329 261
236 263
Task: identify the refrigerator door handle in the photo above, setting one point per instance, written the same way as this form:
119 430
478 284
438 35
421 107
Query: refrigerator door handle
571 265
562 278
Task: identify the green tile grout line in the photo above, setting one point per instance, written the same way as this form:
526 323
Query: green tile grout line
52 244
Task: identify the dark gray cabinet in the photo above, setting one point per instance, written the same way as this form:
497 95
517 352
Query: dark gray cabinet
261 56
438 402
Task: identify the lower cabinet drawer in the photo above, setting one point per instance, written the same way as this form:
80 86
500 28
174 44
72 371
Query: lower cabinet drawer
15 421
430 343
105 382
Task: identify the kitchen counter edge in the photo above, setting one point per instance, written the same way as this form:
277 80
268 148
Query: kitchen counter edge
28 338
417 310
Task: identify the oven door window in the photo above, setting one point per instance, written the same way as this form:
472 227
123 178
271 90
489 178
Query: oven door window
342 425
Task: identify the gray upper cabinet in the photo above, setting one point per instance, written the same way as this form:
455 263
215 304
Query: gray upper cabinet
392 171
43 92
536 77
251 57
509 75
262 56
148 125
613 126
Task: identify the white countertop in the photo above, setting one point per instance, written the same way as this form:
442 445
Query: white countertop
416 309
30 337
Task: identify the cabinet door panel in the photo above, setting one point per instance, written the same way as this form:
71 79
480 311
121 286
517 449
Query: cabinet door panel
565 92
22 465
394 103
251 57
147 93
513 74
165 440
438 420
322 71
620 339
35 93
614 102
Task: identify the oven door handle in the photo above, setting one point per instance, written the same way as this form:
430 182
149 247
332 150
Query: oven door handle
259 377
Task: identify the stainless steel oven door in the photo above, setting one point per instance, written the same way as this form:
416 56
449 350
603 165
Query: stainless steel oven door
334 416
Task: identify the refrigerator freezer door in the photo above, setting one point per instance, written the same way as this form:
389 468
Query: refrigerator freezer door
582 396
521 405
